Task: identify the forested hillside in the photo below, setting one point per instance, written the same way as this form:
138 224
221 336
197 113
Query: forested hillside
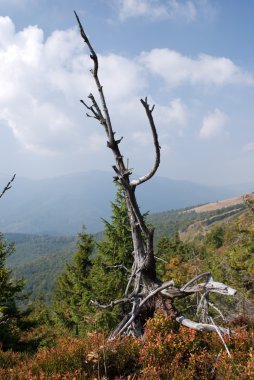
224 246
61 205
41 258
194 220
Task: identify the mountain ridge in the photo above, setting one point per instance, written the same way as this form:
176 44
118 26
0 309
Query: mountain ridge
62 205
41 258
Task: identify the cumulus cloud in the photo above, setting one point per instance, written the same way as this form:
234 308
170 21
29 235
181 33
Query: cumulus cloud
177 69
157 9
213 124
41 82
173 116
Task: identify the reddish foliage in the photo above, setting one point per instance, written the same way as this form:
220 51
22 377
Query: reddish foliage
167 352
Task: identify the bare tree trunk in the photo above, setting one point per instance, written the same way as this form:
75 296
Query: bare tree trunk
148 293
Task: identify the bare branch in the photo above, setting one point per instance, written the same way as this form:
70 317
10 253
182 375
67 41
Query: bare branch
8 186
94 58
119 266
98 111
111 304
216 309
211 286
221 337
206 274
146 177
133 273
160 259
91 108
200 326
165 285
93 55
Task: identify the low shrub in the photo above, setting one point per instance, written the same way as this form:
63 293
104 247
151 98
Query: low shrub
168 351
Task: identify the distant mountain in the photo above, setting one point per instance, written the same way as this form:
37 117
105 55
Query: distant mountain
62 205
41 258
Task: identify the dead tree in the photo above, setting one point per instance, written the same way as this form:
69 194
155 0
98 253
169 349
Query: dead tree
145 292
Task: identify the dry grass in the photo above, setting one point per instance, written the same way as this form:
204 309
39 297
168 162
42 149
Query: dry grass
219 204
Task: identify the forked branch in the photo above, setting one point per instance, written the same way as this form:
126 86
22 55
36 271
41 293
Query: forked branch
94 71
146 177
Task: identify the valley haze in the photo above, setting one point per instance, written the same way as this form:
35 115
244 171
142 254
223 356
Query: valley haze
62 205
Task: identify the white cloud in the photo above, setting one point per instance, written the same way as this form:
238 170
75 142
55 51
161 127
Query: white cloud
248 147
171 117
213 124
41 82
135 8
177 69
170 120
121 76
186 10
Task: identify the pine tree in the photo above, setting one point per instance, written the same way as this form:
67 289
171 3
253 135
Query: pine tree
72 293
109 274
9 290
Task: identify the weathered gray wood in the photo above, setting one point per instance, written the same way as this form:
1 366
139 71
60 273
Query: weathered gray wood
147 288
200 326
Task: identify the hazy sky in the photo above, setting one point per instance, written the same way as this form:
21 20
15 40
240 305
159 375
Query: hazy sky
194 59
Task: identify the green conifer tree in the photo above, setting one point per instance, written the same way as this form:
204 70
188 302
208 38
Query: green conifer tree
72 293
109 274
9 290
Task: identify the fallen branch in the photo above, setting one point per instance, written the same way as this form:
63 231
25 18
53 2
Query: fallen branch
200 326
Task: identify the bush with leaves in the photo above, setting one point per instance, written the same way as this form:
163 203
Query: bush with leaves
171 351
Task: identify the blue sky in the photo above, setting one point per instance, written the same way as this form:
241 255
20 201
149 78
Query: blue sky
193 59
